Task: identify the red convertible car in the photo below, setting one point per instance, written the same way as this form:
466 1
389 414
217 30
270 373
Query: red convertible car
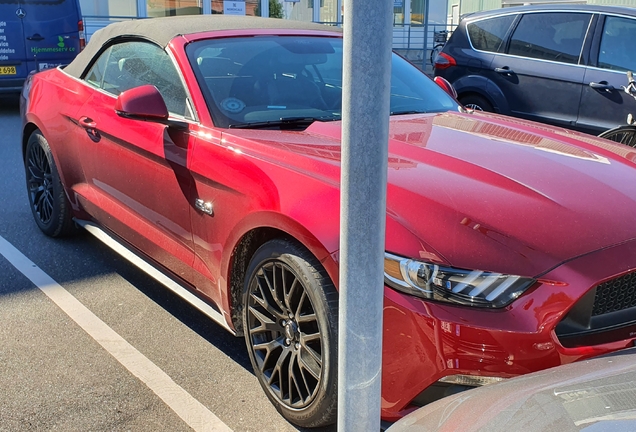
207 151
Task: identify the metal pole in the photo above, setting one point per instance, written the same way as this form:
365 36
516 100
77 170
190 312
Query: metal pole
265 8
365 129
316 11
426 56
142 11
206 8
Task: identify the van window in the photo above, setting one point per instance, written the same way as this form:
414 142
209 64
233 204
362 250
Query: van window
550 36
617 44
489 34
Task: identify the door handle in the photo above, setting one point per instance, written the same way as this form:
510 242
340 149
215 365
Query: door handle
87 123
90 127
603 85
504 70
36 37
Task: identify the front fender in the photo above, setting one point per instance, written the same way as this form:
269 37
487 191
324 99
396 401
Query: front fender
484 87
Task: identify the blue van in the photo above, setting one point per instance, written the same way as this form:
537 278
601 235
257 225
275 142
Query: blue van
36 35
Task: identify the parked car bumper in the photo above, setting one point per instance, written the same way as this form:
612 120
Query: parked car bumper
11 85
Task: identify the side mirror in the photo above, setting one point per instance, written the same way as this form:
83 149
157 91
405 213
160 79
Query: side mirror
446 86
145 103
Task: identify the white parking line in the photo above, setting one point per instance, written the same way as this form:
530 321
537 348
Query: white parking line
193 412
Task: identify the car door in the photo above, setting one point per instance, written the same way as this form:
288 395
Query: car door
604 105
137 171
540 74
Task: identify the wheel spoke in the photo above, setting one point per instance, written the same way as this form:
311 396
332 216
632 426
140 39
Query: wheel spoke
48 207
291 382
311 365
267 346
37 188
277 370
299 306
273 286
290 293
266 323
304 343
39 205
307 390
35 173
263 300
307 318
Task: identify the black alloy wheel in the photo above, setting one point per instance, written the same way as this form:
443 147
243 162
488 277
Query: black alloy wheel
290 321
49 204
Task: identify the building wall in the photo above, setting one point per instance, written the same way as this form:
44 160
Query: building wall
631 3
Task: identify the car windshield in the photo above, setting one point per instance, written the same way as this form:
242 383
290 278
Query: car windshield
287 81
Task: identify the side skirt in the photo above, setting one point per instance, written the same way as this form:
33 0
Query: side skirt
174 286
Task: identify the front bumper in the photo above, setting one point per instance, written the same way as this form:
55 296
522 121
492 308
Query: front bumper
425 341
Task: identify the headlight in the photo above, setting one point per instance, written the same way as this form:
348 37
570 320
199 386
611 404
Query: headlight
467 287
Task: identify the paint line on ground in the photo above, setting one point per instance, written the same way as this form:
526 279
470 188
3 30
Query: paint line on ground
193 412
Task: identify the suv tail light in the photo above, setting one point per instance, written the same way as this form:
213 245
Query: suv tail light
444 61
82 37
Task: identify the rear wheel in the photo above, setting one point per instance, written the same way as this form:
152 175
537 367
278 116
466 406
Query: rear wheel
435 52
290 319
47 199
476 102
622 134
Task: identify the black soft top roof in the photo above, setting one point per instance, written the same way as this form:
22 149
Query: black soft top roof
163 30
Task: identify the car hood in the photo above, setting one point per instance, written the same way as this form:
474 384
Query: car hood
486 191
592 395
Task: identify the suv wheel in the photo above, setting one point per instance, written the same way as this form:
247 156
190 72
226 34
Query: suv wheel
476 102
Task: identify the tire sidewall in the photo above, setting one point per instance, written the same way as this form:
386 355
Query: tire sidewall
325 401
55 226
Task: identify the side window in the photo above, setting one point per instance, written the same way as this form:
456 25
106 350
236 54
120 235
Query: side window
617 44
132 64
550 36
489 34
96 73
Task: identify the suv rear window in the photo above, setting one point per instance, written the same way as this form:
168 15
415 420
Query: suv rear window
550 36
489 34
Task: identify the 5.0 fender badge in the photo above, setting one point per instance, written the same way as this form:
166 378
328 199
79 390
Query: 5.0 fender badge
205 207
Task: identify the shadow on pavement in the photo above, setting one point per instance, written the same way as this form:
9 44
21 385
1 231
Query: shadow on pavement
9 104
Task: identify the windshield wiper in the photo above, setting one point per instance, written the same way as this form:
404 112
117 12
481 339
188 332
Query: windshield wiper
407 112
283 123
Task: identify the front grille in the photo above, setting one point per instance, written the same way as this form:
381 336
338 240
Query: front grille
615 295
606 313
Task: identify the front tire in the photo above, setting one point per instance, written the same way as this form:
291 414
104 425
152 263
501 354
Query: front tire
47 199
290 317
